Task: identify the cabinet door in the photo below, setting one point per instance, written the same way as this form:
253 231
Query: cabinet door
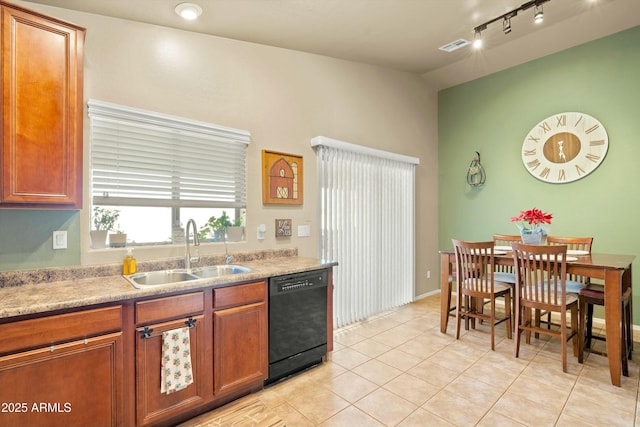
41 150
153 405
74 384
240 347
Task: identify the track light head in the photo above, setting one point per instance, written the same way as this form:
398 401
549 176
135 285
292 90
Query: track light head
477 38
506 25
538 14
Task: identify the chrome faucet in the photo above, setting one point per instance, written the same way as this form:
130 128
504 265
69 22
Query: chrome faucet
227 258
188 259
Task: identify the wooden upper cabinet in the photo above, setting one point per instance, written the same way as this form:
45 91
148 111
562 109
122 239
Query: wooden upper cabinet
42 111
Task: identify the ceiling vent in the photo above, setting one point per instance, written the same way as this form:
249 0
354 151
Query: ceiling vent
454 45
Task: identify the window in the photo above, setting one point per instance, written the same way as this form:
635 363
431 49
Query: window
159 171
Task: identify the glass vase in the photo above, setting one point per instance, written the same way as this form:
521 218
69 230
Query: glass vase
533 237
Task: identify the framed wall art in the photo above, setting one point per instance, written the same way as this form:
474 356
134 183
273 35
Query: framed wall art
283 228
282 181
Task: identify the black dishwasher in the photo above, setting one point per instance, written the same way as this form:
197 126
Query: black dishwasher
297 322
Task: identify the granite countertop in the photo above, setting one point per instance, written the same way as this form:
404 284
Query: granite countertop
50 295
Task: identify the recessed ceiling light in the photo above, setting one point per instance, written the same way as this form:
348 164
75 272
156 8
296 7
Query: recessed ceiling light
188 11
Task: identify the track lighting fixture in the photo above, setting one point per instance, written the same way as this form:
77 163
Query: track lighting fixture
538 16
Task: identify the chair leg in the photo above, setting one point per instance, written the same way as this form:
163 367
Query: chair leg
527 319
563 339
575 330
589 326
623 343
581 327
516 339
493 323
458 313
508 314
629 335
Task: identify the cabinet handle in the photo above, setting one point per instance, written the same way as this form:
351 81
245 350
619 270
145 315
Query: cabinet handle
146 333
190 322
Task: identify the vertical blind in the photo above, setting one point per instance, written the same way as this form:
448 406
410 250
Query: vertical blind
367 225
144 158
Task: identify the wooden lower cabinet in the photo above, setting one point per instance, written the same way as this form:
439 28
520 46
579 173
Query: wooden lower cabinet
240 347
102 366
152 405
72 384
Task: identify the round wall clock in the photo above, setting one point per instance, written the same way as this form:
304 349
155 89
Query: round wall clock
564 147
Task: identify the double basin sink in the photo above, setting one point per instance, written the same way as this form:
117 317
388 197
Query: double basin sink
170 277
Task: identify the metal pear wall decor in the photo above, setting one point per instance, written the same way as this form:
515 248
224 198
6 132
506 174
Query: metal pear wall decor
281 178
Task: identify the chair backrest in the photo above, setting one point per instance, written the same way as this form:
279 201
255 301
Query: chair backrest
573 243
505 239
541 272
474 266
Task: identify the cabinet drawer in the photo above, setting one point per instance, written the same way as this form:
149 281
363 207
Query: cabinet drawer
169 308
50 330
239 294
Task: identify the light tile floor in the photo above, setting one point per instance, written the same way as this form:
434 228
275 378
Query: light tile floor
397 369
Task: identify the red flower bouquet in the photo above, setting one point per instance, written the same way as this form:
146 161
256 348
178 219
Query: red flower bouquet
533 220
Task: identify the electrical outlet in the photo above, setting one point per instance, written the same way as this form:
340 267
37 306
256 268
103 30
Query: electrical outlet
428 274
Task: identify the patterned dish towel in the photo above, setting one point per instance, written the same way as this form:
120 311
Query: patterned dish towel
176 371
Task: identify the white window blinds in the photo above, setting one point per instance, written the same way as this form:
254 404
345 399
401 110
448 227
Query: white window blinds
367 225
143 158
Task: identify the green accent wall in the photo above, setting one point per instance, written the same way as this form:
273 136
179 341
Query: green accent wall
493 114
26 239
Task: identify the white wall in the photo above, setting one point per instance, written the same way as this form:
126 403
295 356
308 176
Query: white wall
283 97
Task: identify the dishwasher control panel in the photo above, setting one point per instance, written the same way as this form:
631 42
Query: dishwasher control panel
297 282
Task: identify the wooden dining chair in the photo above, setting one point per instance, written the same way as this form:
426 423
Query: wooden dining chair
590 294
505 273
475 266
574 282
593 294
541 274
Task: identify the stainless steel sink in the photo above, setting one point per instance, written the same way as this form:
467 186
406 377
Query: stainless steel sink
172 277
162 277
219 270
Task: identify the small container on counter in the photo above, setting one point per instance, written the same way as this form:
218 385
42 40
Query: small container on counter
129 263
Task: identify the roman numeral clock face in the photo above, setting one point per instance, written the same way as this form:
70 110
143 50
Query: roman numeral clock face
564 147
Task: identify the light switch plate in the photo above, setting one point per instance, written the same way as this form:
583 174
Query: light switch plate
261 230
60 239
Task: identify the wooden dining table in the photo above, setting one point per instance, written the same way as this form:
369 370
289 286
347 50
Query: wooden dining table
614 270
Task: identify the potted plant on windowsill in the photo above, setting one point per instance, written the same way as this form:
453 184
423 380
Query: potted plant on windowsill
214 228
118 239
219 229
235 231
103 221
